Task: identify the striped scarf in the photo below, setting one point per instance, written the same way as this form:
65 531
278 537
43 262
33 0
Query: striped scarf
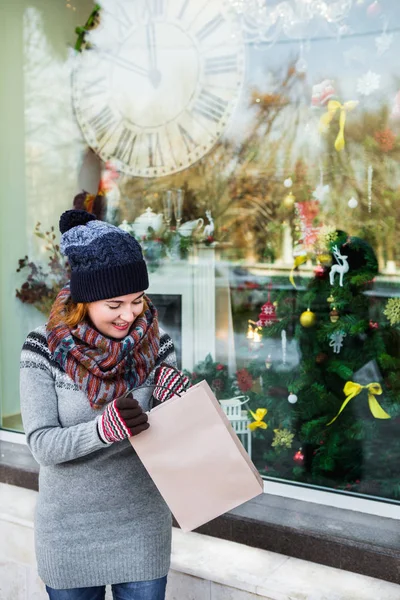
104 368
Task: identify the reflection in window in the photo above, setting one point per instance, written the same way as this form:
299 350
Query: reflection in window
290 299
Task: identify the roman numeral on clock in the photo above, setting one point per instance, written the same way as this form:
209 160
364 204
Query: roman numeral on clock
209 27
125 145
103 122
220 64
156 158
183 9
187 139
210 106
156 7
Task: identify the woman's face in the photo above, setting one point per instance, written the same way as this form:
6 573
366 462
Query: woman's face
115 316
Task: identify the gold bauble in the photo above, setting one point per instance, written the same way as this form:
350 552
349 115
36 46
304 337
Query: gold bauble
288 201
325 259
308 318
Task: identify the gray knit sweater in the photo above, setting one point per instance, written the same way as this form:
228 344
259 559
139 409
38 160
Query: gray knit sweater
99 518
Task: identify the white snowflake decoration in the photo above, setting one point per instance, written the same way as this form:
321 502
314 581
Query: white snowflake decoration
368 83
320 192
383 42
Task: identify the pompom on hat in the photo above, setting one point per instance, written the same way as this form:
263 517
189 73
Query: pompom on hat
105 261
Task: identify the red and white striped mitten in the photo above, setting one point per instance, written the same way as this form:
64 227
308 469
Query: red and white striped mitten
112 427
169 382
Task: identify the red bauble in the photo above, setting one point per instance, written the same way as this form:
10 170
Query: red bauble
385 139
299 456
373 325
319 271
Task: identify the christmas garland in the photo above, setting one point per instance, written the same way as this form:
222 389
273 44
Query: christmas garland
91 23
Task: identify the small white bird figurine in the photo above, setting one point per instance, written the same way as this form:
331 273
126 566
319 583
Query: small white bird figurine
209 229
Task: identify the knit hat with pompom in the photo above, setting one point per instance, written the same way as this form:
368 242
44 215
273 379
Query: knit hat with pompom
105 261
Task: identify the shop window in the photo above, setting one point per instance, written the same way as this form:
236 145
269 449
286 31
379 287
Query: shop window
254 151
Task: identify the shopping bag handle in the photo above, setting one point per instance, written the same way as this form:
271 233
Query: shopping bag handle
140 387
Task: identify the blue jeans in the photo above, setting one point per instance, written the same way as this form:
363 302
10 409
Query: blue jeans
139 590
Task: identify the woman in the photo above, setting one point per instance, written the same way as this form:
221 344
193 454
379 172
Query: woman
99 519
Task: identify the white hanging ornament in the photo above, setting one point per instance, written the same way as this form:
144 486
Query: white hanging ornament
353 202
320 192
337 341
292 398
284 346
288 182
370 174
342 267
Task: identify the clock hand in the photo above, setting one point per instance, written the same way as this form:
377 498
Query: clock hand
125 64
154 73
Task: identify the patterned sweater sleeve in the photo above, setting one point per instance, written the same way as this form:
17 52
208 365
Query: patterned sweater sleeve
49 442
166 355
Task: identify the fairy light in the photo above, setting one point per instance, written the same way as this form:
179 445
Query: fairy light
257 336
250 332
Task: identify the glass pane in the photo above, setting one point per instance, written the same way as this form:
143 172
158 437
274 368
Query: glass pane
253 150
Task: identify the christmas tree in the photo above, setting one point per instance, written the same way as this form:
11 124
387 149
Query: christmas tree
343 396
332 402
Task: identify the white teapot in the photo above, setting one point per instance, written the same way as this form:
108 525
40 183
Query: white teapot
148 219
186 229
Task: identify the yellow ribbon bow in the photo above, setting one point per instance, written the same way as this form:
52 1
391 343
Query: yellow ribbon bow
325 121
258 419
299 260
303 258
352 389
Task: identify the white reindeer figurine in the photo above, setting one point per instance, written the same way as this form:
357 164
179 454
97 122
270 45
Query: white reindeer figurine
342 267
209 229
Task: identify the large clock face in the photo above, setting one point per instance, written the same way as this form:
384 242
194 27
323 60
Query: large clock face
158 86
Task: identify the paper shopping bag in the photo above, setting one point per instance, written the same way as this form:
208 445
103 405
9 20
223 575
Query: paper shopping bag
195 458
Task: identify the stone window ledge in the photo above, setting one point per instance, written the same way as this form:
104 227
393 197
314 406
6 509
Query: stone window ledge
343 539
220 566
